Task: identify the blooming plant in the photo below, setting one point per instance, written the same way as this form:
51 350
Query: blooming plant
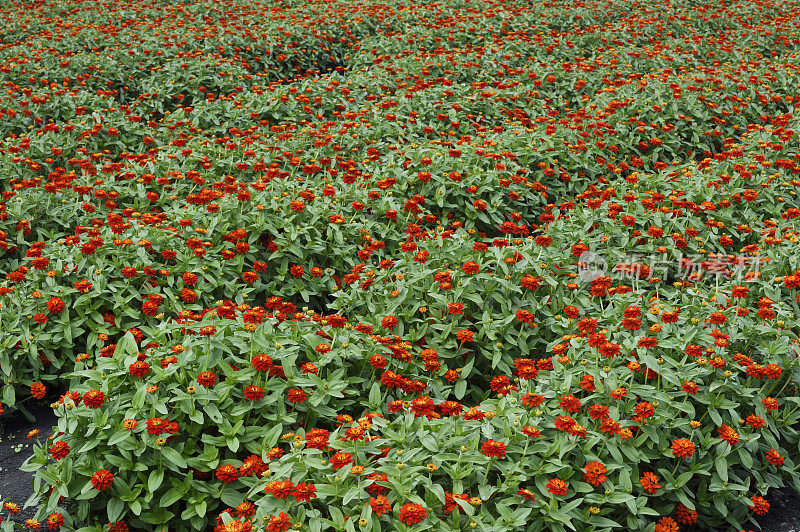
484 265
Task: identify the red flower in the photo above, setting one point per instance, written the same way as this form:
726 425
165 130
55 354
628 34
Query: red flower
156 425
556 486
411 513
455 308
94 398
690 387
253 393
682 448
568 403
206 379
666 524
728 434
304 492
102 479
769 403
595 473
649 482
54 521
775 458
317 439
188 295
59 450
465 335
470 268
532 399
140 368
598 411
760 505
684 515
83 286
296 396
389 322
380 505
226 473
279 523
262 362
55 305
643 411
38 390
530 431
341 459
280 489
494 449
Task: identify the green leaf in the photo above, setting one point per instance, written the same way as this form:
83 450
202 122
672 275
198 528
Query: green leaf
170 497
460 389
625 479
118 436
173 457
126 346
213 412
154 482
115 510
721 465
231 497
375 394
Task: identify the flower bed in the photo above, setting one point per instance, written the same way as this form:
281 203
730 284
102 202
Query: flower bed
390 266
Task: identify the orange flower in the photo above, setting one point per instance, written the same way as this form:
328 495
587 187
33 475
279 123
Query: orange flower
279 523
465 335
102 479
411 514
226 473
556 486
666 524
682 448
380 505
38 390
649 482
494 449
595 473
760 505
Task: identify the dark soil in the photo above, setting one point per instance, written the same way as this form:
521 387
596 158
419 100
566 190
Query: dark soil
15 485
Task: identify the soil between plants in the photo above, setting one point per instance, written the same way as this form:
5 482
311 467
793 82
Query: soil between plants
17 486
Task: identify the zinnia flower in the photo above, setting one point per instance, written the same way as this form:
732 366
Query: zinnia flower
341 459
304 492
59 450
666 524
102 479
380 505
494 449
760 505
682 448
411 513
556 486
279 523
140 368
38 390
649 482
94 398
296 396
226 473
206 379
595 473
253 393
